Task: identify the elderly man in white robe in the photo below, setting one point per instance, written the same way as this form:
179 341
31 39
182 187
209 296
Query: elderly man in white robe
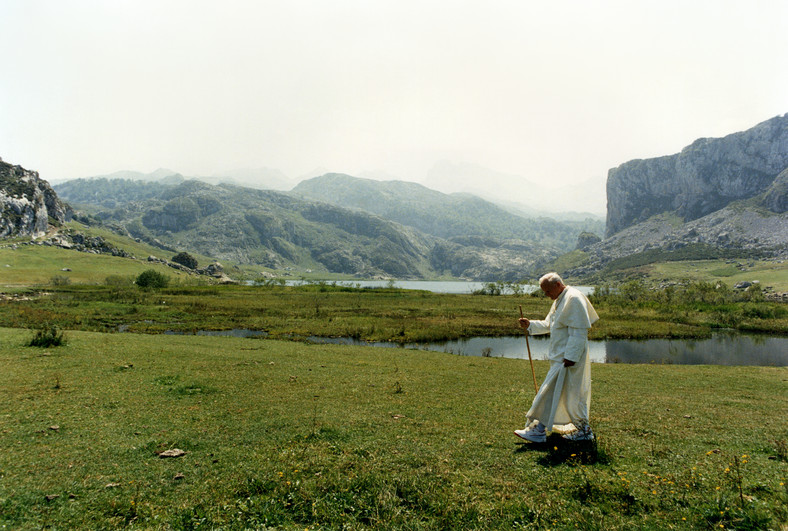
562 403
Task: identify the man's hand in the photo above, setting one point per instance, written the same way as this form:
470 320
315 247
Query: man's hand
568 363
524 323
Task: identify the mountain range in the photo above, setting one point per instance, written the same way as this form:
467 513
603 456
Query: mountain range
717 197
421 233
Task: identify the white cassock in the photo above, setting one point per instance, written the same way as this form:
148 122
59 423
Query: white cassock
565 395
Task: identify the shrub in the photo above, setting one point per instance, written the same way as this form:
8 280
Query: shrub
118 281
60 280
152 279
185 259
48 336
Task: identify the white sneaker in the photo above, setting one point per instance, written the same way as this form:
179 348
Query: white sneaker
580 435
532 434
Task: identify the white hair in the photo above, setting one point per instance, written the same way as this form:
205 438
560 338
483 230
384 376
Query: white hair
551 278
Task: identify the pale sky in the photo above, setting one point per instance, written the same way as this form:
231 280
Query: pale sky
556 92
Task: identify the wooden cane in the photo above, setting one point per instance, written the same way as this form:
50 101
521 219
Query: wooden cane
528 346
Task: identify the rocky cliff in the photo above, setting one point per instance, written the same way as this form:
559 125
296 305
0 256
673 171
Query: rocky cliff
27 203
704 177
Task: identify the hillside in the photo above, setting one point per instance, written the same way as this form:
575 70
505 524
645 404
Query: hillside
443 215
724 198
286 233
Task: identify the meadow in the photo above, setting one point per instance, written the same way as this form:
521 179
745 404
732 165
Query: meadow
327 310
300 436
277 432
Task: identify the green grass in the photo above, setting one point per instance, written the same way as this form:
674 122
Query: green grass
299 436
31 265
769 273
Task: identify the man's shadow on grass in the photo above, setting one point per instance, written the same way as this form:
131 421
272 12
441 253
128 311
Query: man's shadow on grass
559 451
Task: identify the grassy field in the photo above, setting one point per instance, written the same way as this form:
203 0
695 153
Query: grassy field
31 265
298 436
769 273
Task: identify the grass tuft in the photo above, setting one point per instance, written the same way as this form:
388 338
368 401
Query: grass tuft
48 336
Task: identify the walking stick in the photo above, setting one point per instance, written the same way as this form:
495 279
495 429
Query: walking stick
528 346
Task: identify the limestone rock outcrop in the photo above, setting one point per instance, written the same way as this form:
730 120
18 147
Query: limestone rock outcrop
27 203
704 177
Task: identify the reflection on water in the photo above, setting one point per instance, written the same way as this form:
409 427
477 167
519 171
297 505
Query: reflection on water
720 349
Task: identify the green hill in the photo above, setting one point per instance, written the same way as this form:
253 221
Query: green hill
287 233
443 215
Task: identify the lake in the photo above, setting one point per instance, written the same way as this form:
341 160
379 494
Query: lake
435 286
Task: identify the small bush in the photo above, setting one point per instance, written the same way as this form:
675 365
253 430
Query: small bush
152 279
47 337
118 281
60 280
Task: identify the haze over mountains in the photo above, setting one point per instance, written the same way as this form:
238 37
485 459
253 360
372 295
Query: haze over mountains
516 193
717 197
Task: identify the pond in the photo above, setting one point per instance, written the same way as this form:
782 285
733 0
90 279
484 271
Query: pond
723 348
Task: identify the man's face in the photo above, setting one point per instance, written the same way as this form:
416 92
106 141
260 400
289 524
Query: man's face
552 290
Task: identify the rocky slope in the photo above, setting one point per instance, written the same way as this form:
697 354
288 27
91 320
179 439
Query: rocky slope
704 177
718 198
27 203
737 230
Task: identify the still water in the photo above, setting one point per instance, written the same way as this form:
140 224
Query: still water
720 349
723 348
435 286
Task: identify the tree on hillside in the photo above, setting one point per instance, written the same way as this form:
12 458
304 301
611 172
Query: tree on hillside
152 279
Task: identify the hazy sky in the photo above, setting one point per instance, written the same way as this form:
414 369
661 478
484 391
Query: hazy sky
560 91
